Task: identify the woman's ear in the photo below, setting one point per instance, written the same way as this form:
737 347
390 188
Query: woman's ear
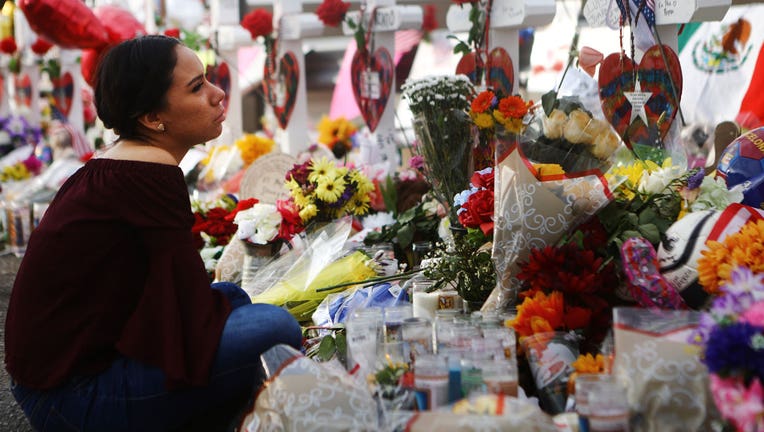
151 121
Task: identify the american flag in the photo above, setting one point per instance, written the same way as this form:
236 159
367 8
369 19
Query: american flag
80 143
648 10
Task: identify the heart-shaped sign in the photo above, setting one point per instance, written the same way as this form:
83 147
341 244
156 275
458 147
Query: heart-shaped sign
63 90
281 89
23 94
500 71
617 82
220 75
2 89
372 80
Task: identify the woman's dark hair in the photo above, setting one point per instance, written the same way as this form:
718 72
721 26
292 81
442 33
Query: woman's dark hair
132 79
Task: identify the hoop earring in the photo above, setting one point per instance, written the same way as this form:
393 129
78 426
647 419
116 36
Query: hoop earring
160 127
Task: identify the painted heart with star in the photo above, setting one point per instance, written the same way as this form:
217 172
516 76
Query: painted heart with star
362 68
281 90
499 70
618 79
63 91
23 93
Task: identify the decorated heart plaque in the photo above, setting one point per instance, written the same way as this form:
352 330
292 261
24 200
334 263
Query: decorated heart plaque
617 84
372 79
23 94
220 75
2 89
500 72
63 90
281 89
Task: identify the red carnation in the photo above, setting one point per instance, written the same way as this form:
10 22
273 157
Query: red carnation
332 12
8 45
259 22
429 22
479 211
172 32
241 205
41 46
291 222
482 180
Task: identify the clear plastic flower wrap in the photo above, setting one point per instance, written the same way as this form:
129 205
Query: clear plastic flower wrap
298 280
547 181
303 395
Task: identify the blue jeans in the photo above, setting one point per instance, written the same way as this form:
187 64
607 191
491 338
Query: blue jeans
131 396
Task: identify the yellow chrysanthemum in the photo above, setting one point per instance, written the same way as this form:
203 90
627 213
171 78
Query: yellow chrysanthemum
336 130
321 169
743 248
359 204
329 190
482 120
365 186
308 212
252 146
511 124
299 198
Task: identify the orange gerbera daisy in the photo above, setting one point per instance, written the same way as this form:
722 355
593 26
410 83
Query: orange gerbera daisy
514 107
482 102
540 313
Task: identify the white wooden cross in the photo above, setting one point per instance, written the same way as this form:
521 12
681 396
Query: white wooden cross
668 13
382 150
224 20
292 25
506 20
24 38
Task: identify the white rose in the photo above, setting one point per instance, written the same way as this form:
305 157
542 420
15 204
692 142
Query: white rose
574 130
656 182
553 125
604 144
259 224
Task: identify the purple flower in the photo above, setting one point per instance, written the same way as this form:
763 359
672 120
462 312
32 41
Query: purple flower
731 350
742 279
417 162
695 180
731 304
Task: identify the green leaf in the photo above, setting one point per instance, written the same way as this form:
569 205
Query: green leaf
406 235
651 233
390 195
327 348
647 216
549 101
627 234
342 345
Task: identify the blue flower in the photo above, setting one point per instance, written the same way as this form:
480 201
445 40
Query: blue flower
731 350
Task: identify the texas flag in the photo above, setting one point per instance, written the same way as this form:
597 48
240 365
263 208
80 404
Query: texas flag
723 68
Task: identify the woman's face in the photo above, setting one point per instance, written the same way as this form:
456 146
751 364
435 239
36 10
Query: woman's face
194 111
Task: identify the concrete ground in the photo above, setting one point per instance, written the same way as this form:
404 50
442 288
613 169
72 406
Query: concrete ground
11 416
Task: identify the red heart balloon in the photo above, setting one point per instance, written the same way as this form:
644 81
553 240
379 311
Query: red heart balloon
89 62
281 91
372 79
63 90
120 24
67 23
499 70
23 94
617 76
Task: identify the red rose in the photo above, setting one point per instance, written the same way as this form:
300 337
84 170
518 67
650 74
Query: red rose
332 12
482 180
41 46
259 22
429 22
172 32
8 45
478 211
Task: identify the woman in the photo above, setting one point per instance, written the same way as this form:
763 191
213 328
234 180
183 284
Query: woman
112 324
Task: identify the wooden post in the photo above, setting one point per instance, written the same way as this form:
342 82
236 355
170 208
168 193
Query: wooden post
507 18
381 150
292 26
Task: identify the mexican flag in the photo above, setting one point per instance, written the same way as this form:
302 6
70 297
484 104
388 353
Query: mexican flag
723 68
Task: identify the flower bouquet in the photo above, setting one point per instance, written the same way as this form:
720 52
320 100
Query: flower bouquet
491 111
537 202
336 135
264 228
731 335
324 191
443 130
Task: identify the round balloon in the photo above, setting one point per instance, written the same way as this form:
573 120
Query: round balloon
89 62
743 159
66 23
120 24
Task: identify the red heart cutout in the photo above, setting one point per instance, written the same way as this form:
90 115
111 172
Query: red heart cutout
63 90
220 75
281 90
372 79
500 71
617 76
23 94
2 88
